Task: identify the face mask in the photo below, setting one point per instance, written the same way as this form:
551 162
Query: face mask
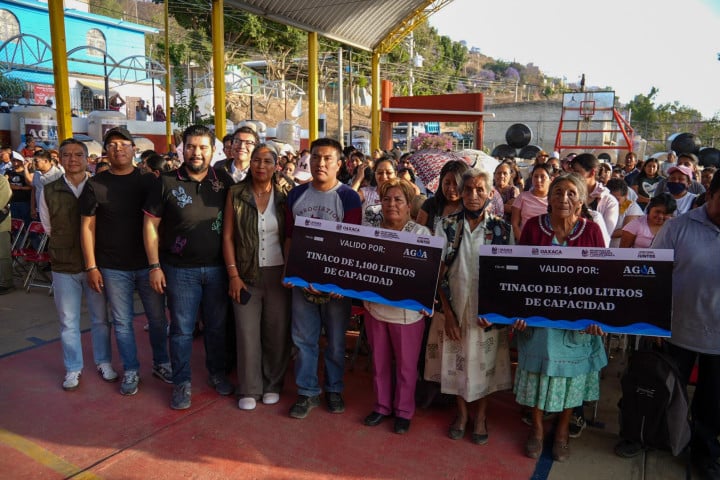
676 188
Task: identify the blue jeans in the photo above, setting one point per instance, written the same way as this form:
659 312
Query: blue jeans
69 289
119 288
186 289
307 320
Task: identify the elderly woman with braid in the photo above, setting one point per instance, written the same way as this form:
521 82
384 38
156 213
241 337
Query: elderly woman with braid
559 369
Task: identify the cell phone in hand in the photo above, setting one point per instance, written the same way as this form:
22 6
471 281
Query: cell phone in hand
244 296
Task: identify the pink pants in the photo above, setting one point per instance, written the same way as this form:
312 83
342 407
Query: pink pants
402 343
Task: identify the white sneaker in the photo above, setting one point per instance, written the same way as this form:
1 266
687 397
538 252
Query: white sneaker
107 373
271 398
72 380
247 403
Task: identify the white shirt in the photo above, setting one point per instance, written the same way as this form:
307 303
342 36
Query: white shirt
270 250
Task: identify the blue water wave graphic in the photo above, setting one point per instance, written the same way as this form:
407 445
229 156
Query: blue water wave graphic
364 295
639 328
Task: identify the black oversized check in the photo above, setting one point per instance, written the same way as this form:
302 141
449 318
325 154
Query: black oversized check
384 266
624 290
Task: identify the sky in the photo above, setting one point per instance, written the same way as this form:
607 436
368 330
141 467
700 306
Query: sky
631 45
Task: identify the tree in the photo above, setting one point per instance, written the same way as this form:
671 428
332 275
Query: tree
10 88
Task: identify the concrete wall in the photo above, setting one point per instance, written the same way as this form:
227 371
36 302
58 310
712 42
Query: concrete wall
543 119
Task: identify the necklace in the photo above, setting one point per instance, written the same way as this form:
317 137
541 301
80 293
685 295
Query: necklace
260 194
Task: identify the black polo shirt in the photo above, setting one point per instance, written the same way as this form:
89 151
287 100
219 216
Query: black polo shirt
191 215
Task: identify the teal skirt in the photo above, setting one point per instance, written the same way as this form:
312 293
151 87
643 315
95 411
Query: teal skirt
555 394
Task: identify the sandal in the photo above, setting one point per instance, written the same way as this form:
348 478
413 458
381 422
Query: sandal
561 451
456 432
480 438
533 446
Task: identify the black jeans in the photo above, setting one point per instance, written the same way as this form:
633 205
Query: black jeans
705 407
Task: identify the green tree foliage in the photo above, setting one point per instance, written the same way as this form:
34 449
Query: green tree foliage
245 32
657 122
10 88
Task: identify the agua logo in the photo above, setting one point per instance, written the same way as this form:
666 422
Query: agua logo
638 270
415 253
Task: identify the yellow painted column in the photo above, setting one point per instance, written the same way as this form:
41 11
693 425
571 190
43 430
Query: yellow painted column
60 69
168 117
313 85
218 41
375 102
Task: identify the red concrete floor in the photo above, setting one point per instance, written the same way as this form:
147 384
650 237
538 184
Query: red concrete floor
94 432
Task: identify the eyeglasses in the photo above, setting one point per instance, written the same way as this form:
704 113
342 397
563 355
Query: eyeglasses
118 145
247 143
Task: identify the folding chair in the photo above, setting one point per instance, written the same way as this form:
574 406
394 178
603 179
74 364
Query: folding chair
21 247
37 259
16 232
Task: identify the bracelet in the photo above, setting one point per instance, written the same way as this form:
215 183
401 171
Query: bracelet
90 269
153 266
231 266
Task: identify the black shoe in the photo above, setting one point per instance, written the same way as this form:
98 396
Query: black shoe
335 403
303 405
402 425
221 384
181 396
374 419
6 290
628 449
577 425
456 432
480 438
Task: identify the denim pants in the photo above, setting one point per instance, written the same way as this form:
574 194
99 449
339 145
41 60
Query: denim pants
307 321
187 288
69 289
120 286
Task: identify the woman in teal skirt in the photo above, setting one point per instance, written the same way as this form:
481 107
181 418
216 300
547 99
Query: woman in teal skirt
559 369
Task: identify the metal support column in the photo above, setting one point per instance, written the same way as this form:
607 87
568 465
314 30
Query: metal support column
375 107
60 69
218 41
313 85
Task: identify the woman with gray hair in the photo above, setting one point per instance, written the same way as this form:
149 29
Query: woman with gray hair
558 369
469 372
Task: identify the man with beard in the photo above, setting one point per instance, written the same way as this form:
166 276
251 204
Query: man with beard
183 241
111 235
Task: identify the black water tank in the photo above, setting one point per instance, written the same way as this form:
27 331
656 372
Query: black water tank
503 151
686 143
529 152
518 135
709 157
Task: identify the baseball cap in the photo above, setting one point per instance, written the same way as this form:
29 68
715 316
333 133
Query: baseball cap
302 171
682 169
117 132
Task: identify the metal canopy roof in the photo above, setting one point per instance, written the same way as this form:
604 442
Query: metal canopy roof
365 24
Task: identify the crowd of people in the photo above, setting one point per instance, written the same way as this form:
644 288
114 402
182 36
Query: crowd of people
208 243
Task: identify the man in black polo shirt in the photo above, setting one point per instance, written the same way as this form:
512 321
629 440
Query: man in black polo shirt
112 242
183 241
